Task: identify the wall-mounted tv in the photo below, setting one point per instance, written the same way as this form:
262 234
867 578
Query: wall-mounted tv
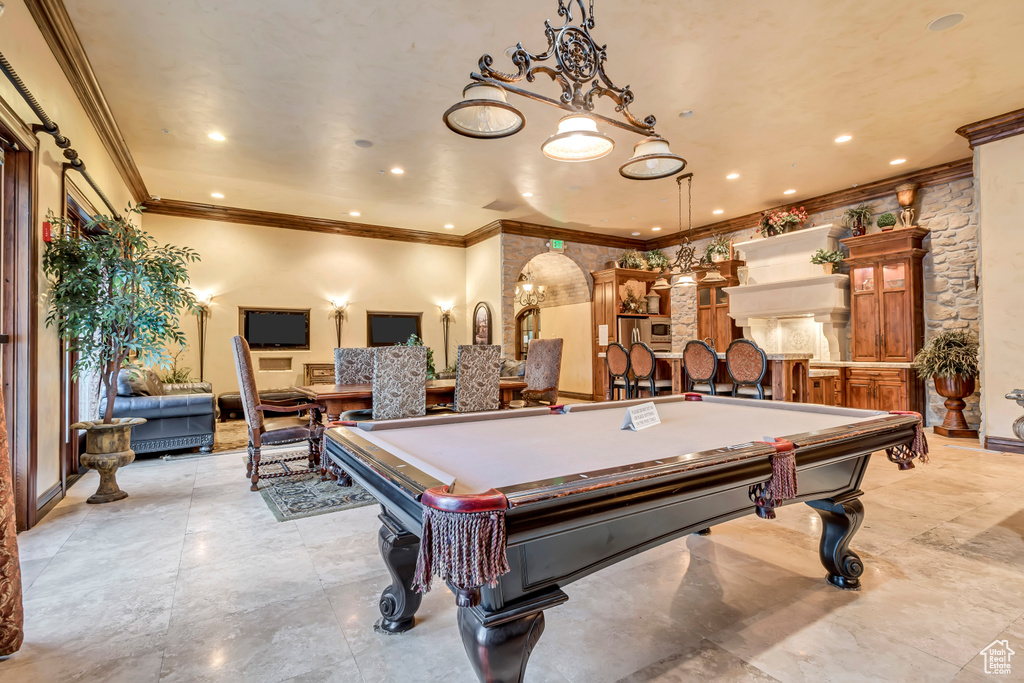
275 329
389 329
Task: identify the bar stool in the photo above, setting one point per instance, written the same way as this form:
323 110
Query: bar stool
701 364
643 362
747 365
617 361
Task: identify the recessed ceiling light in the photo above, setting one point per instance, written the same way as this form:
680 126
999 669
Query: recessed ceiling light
897 162
217 195
732 176
218 137
656 228
844 138
635 234
449 226
946 22
686 113
527 194
397 171
364 143
718 211
353 213
789 192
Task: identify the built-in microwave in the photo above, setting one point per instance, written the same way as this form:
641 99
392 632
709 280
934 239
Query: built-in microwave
661 333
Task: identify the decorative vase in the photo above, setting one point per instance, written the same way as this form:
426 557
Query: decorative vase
654 304
827 267
955 390
108 447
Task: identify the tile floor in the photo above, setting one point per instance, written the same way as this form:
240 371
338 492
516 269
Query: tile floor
192 579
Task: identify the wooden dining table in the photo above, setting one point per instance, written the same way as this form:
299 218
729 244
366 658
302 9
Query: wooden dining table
338 398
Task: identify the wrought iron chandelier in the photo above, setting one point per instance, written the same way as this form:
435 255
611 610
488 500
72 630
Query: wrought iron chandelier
528 292
577 64
687 262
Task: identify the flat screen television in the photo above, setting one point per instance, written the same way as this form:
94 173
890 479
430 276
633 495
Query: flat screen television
266 329
389 329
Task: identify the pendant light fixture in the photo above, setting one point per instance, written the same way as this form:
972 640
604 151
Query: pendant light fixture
576 62
577 139
661 283
484 112
652 159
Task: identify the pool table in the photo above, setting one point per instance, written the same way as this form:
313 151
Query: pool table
563 492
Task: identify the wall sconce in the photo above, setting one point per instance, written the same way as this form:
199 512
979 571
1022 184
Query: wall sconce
202 314
446 321
339 308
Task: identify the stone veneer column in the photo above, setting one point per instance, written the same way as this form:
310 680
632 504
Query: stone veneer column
684 316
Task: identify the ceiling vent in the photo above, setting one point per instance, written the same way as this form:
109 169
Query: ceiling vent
503 206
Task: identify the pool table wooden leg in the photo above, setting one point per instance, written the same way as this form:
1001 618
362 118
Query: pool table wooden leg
398 602
840 520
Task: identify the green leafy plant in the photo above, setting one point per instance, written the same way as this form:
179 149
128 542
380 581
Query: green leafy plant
719 246
886 220
177 375
414 340
857 218
115 293
656 259
631 258
827 256
948 354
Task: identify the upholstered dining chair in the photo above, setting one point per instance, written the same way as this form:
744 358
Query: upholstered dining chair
701 365
616 360
399 382
543 368
353 366
477 384
643 363
274 431
747 364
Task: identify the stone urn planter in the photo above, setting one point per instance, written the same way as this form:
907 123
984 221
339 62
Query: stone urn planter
955 390
108 447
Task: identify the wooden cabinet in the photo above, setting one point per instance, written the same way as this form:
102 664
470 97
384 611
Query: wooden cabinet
886 291
317 373
883 389
713 321
825 391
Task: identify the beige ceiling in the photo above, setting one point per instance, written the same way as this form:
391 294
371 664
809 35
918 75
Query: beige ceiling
293 84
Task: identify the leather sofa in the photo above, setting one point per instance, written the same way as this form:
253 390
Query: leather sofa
177 416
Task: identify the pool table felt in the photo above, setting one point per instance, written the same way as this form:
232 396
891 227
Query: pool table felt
482 454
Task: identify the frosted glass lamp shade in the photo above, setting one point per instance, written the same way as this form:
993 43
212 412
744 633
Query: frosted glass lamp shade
484 112
577 139
684 280
652 159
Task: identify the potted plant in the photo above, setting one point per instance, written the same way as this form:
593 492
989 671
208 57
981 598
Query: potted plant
718 249
827 259
631 258
857 219
950 358
778 221
114 293
656 260
886 221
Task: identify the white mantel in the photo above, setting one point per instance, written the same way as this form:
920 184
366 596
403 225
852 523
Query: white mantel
782 283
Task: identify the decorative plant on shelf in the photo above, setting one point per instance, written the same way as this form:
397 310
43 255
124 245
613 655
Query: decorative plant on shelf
857 219
656 260
177 375
886 221
114 293
414 340
778 221
950 358
631 258
718 249
827 258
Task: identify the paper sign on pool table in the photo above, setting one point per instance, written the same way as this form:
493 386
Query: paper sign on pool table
641 417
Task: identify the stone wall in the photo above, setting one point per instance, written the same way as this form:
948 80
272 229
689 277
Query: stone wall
563 281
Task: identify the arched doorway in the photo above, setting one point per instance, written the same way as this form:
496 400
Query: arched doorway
552 300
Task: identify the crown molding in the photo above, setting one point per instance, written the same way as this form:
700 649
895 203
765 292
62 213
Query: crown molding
576 236
934 175
992 129
485 233
54 23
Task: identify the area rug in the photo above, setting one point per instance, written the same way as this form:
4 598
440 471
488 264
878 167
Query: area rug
304 495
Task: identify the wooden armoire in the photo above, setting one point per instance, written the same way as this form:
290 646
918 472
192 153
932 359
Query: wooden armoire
713 321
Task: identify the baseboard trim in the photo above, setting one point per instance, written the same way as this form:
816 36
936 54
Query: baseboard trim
1002 443
577 395
48 500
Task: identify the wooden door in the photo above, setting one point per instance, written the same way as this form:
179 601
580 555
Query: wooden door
603 313
896 340
864 313
705 314
859 393
723 324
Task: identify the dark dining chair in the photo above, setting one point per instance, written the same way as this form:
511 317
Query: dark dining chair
701 365
643 362
477 383
274 431
616 359
399 382
353 365
747 365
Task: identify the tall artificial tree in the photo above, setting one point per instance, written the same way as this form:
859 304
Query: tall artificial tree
115 294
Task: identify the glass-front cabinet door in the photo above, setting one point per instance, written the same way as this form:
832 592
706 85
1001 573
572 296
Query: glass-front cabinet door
863 279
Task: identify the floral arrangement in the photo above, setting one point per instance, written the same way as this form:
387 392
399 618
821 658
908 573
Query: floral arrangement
656 260
825 256
631 258
778 221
